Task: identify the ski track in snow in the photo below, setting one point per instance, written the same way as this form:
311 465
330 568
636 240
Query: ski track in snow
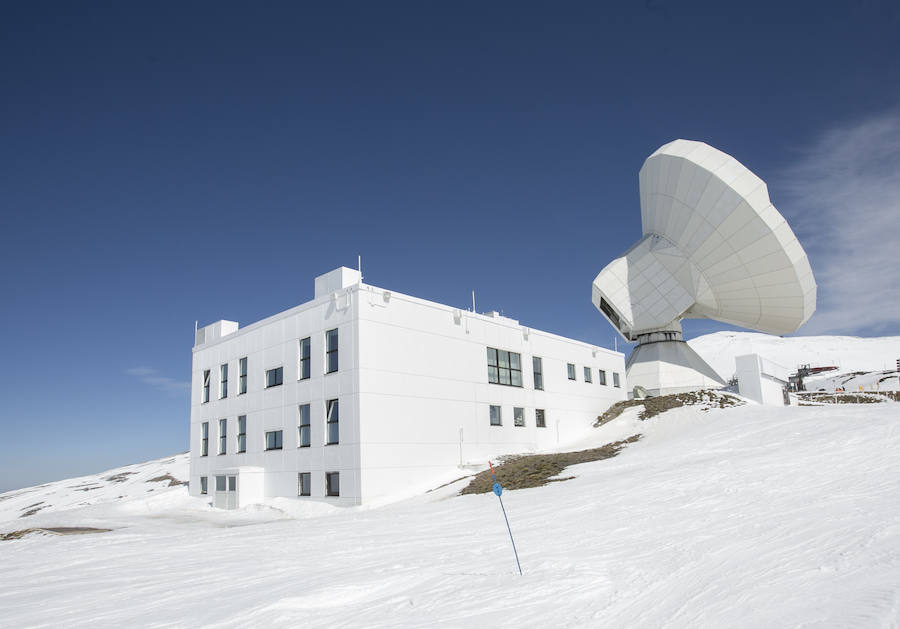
739 517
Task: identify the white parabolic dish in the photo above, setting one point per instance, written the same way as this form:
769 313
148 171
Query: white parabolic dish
713 247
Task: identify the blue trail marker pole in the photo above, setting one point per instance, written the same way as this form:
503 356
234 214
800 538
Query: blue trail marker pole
499 490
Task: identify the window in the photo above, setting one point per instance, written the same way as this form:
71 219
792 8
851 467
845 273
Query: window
602 378
223 381
331 351
495 416
504 367
518 416
537 365
540 419
615 379
331 419
304 426
205 386
242 433
242 376
587 375
220 483
232 483
274 377
332 483
204 438
304 483
571 369
204 485
303 366
223 425
273 440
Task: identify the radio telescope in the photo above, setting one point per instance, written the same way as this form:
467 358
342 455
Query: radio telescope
713 247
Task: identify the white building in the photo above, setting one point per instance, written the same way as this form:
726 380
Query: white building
363 393
762 380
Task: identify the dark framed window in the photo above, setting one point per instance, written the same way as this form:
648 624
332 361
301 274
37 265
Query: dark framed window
571 369
242 433
223 381
615 379
537 366
332 417
205 386
518 416
232 483
331 351
242 376
204 438
332 483
220 483
274 440
274 377
204 485
540 420
587 375
304 483
504 367
602 377
223 428
304 426
496 419
303 365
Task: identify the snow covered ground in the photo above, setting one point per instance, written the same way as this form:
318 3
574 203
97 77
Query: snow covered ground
736 517
877 357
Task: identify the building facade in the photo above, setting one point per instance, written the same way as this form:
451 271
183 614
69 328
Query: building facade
363 393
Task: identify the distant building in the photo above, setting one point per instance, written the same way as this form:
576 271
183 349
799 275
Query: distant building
762 380
362 393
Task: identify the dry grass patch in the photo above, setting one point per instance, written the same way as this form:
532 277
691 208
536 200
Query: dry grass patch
535 470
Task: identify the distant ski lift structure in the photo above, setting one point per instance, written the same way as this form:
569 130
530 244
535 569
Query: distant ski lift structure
713 247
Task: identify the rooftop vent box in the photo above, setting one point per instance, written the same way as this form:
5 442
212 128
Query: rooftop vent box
336 280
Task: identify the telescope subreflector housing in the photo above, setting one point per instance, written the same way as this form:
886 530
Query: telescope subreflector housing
713 247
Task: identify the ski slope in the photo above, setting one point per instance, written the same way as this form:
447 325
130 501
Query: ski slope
738 517
848 353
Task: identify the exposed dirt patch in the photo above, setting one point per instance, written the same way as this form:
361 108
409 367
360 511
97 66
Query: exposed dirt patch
121 477
173 482
54 530
653 406
863 397
536 470
30 511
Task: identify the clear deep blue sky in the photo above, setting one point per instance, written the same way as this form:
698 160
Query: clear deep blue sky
163 163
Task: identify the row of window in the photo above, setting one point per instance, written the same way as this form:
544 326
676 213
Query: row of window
588 377
275 375
304 484
496 415
274 439
505 368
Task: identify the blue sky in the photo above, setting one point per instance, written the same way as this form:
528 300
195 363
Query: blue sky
170 162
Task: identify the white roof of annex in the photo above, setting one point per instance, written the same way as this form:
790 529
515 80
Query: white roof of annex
331 285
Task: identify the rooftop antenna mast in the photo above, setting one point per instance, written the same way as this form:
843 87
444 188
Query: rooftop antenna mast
473 301
359 266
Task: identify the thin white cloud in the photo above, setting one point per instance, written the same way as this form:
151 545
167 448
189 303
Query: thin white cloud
844 205
164 383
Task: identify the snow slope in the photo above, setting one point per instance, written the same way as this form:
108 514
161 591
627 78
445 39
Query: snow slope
739 517
124 483
849 353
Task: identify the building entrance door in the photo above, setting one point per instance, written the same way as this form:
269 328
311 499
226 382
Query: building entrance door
226 492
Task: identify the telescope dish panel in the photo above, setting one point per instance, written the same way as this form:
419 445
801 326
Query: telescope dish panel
713 247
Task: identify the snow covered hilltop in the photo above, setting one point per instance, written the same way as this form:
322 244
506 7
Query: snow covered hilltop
743 516
850 354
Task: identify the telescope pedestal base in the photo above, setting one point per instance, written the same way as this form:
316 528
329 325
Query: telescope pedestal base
671 366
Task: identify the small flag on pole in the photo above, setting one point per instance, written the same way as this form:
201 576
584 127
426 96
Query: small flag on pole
499 490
